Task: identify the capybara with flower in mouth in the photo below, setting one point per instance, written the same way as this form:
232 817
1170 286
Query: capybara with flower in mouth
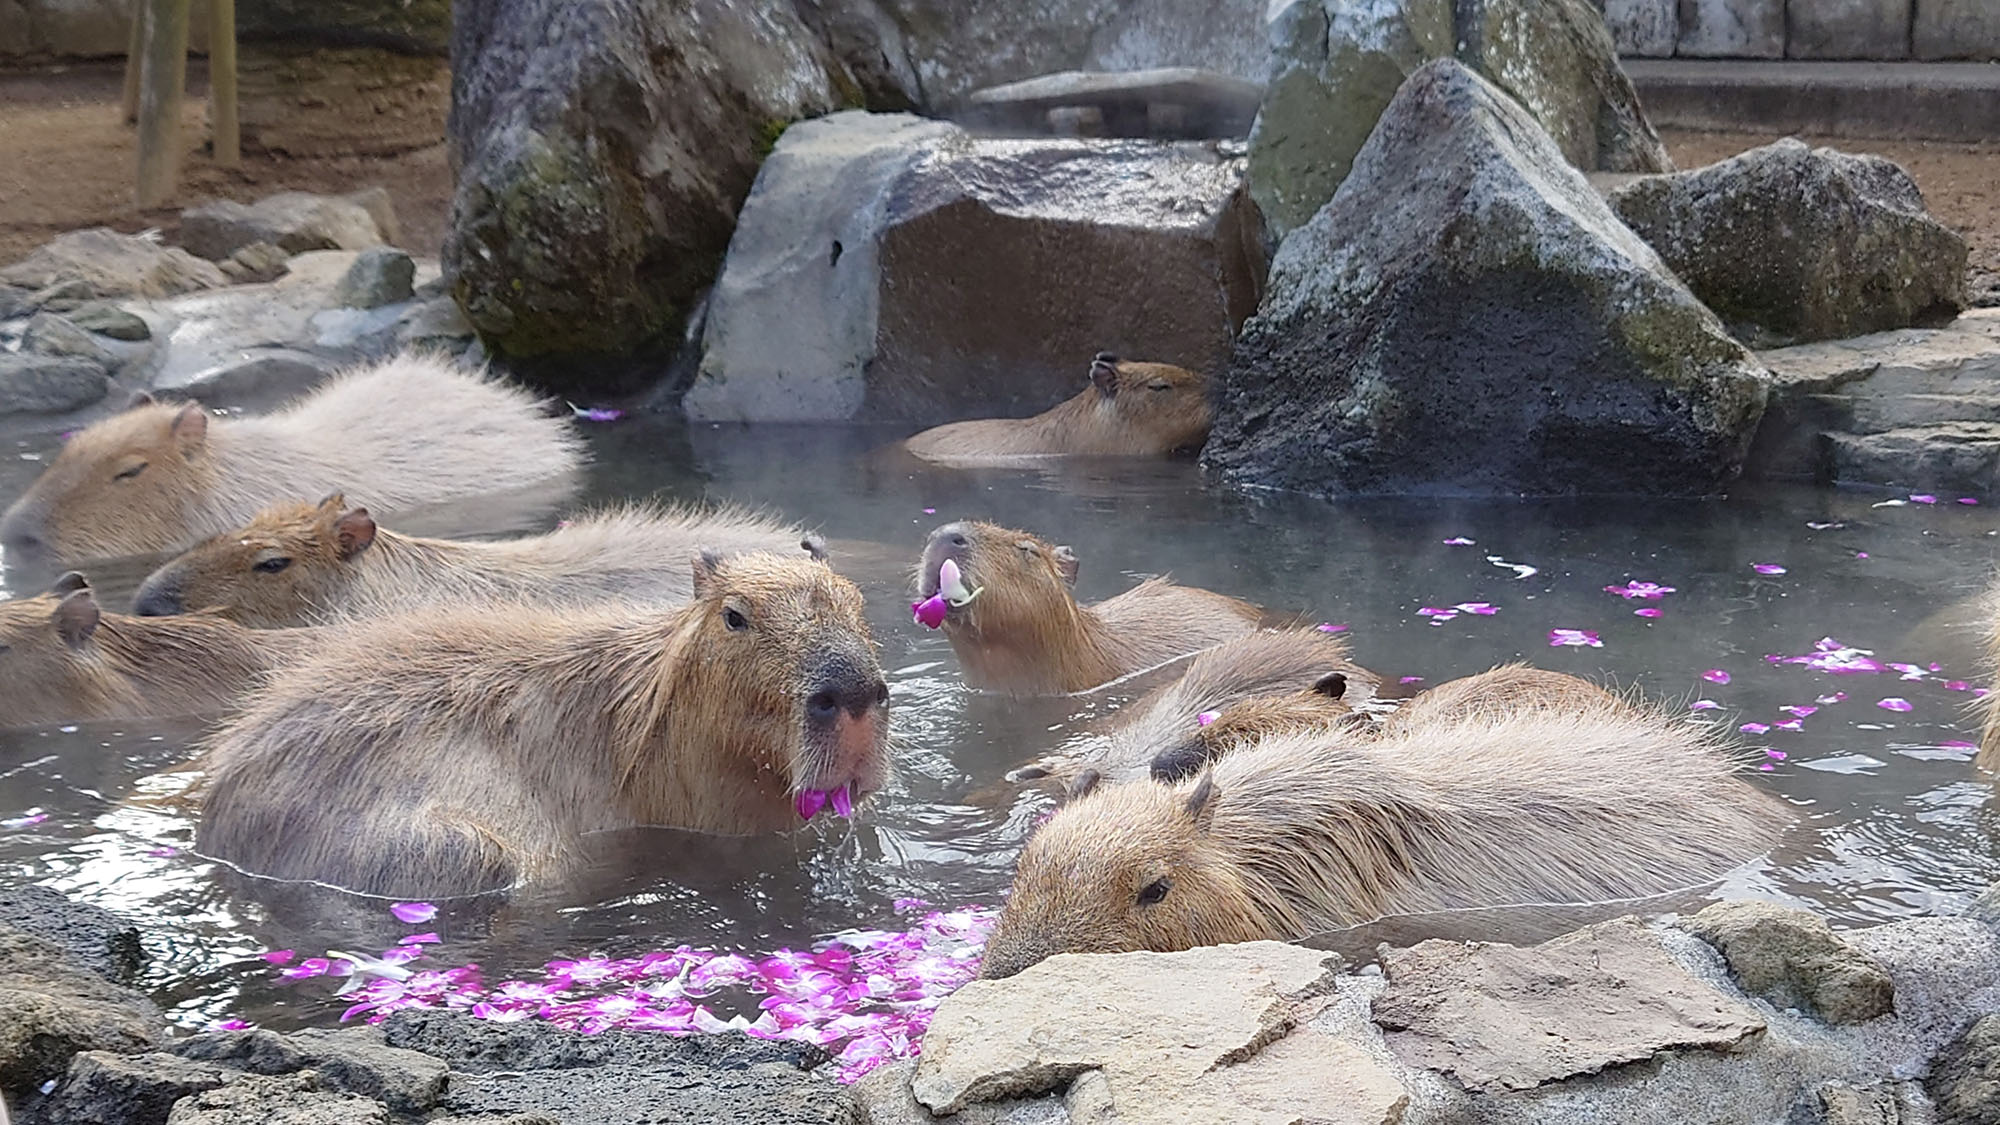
1307 832
471 748
1004 600
296 563
62 659
1128 410
408 431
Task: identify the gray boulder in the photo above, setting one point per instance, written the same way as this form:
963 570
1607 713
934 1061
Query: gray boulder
51 1008
1795 960
380 276
293 221
52 334
104 1087
259 261
890 250
113 265
294 1099
43 384
602 151
1789 243
1468 315
1337 64
107 319
1965 1083
93 937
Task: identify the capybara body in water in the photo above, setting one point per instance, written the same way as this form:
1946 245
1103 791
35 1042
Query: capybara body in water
1303 833
298 562
1016 626
1166 725
63 659
409 431
469 748
1129 410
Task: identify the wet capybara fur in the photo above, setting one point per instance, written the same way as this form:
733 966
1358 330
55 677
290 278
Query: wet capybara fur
1026 634
408 431
1129 409
63 659
1988 705
296 563
1308 832
472 748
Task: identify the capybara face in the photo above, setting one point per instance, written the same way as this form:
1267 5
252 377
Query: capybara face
786 642
1020 584
48 659
118 487
278 570
1164 408
1320 706
1121 868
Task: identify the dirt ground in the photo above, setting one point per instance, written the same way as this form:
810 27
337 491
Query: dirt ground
66 161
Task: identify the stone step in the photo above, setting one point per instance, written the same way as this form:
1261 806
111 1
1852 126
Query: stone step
1880 414
1958 456
1940 101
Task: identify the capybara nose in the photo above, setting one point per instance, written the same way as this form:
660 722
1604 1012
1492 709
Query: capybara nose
826 704
20 531
163 600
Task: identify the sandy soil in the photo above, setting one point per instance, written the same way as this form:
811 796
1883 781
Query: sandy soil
66 161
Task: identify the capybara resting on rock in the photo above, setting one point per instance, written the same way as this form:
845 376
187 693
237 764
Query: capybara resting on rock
1304 833
297 562
471 748
405 432
1003 598
1129 409
63 659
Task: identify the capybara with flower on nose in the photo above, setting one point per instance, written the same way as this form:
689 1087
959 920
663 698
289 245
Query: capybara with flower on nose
1308 832
1128 410
1004 601
296 563
62 659
408 431
472 748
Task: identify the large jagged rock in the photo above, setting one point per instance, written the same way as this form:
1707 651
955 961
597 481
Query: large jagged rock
1468 315
94 938
293 221
892 267
46 384
602 150
51 1008
1336 64
113 265
1965 1083
1795 960
1790 243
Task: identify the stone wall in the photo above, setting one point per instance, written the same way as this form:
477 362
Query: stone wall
78 29
1926 30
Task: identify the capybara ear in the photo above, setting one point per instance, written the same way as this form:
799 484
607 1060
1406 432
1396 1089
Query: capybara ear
70 583
190 428
815 546
1084 783
1104 374
1178 763
139 399
1201 803
1333 685
76 618
354 532
332 504
1066 564
706 563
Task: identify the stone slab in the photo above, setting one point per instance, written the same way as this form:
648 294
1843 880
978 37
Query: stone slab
1732 29
1643 28
1848 29
1956 29
1939 101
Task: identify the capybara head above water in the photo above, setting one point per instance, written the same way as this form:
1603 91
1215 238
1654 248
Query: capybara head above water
46 657
277 570
1324 704
135 475
1150 407
1019 585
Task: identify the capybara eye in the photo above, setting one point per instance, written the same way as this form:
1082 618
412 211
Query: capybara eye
129 473
735 621
272 566
1026 546
1160 385
1155 891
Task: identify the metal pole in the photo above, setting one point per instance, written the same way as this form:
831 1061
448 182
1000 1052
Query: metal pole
160 87
134 48
222 82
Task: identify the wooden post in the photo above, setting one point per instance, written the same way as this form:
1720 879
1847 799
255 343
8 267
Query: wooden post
135 47
161 83
222 83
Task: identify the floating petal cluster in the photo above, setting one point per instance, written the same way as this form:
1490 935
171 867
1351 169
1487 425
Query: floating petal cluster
1581 638
1637 589
1439 615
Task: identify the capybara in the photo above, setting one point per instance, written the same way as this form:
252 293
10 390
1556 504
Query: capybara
296 563
63 659
1988 705
1327 703
411 430
1016 626
470 748
1163 732
1303 833
1129 409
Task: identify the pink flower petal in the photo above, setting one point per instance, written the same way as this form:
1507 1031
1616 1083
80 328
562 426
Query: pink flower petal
931 612
1829 700
1766 767
1755 728
1923 498
843 801
230 1025
1799 709
1704 705
1329 627
930 511
28 821
278 956
1860 554
1957 685
1957 744
1411 680
1582 638
1482 609
598 413
163 853
1206 717
1638 589
1649 611
1774 755
1967 500
422 939
413 912
1767 568
1895 703
809 802
402 954
1716 676
1458 541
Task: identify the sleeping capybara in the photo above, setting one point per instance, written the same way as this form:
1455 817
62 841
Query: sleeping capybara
1161 732
1129 409
295 563
1507 689
469 748
63 659
1303 833
411 430
1016 626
